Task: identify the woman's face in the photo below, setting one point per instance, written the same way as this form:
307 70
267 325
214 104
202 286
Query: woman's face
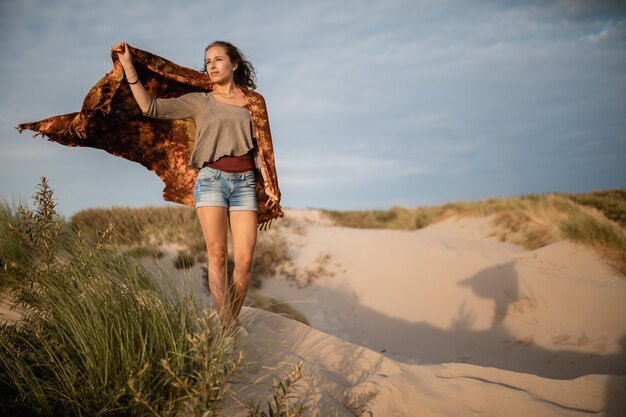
218 65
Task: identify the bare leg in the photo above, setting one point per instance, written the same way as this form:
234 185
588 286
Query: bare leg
243 228
213 222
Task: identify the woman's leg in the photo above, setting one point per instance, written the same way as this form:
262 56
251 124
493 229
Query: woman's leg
213 222
243 228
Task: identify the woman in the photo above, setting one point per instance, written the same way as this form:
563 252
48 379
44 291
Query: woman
224 154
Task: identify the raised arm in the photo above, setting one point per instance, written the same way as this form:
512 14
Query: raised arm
139 92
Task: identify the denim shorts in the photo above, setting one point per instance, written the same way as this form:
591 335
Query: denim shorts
235 191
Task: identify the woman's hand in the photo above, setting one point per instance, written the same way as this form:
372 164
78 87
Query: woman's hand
126 58
139 92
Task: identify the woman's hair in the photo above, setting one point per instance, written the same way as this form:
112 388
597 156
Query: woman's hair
244 75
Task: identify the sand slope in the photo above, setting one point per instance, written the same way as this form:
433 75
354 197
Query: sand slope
456 322
340 378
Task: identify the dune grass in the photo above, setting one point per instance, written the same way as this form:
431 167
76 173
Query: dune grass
399 218
150 227
596 219
593 219
97 336
612 203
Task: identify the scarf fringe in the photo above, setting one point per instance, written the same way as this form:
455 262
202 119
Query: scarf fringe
265 225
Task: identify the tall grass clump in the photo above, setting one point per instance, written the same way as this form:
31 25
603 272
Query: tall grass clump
97 336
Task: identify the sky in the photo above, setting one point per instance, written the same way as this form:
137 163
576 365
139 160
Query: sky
372 104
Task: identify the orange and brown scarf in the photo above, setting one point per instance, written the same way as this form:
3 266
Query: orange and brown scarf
110 119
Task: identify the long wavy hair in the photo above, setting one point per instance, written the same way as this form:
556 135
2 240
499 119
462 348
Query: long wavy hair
244 75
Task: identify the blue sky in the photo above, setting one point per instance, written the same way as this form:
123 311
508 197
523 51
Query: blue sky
372 103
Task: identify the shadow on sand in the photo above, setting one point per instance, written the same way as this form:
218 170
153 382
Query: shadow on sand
494 347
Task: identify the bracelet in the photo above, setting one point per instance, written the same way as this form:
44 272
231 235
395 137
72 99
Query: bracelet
134 82
128 78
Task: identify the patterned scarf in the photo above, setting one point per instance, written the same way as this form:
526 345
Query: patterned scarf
110 119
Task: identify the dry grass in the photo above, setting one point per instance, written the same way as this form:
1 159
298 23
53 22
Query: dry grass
607 238
594 219
612 203
400 218
144 226
143 230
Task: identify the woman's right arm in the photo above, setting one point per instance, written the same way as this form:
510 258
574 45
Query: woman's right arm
139 92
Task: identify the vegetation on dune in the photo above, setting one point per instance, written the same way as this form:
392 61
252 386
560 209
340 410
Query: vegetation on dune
144 226
596 219
612 203
97 336
151 227
399 218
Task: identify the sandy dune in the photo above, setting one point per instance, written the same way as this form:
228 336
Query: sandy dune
443 321
344 379
454 322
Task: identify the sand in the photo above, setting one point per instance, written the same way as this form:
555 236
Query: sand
448 321
344 379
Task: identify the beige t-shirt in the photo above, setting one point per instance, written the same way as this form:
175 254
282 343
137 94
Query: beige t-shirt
221 128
